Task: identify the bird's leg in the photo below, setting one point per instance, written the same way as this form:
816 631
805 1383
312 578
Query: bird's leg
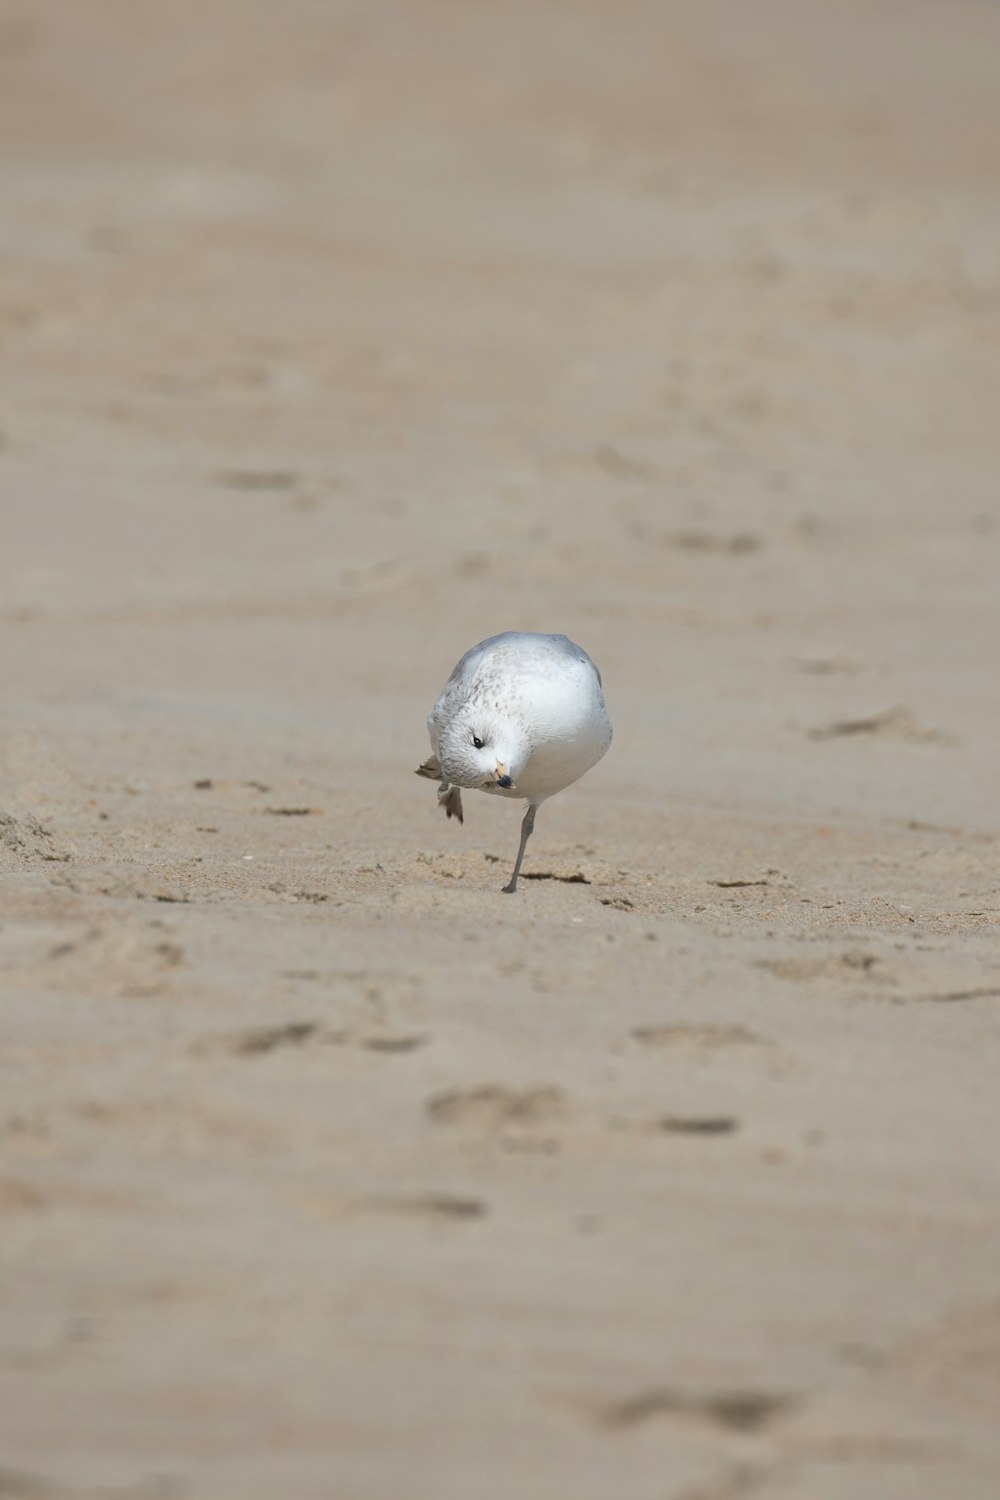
526 827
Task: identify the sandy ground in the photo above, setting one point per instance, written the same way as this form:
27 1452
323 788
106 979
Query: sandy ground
334 338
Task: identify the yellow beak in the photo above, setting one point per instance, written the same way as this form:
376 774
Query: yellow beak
500 775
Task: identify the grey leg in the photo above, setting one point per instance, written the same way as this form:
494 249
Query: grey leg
526 827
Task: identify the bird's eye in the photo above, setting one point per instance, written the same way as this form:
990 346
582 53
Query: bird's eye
478 742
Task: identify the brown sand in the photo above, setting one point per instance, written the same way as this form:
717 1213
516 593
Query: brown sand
335 338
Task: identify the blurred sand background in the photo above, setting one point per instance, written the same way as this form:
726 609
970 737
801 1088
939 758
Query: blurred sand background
336 337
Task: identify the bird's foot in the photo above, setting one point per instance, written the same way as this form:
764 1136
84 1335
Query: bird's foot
450 798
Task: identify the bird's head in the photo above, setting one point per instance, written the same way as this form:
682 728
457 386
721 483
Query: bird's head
480 748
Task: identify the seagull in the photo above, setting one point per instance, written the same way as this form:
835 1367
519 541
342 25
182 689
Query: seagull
522 715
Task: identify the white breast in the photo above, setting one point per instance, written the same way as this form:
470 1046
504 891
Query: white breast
568 727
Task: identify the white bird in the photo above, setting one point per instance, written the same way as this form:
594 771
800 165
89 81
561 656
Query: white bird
522 715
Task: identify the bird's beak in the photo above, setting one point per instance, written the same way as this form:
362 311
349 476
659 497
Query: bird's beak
500 776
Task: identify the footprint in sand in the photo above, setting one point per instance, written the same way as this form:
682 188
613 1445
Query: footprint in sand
492 1106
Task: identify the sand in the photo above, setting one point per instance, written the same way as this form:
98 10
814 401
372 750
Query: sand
336 338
